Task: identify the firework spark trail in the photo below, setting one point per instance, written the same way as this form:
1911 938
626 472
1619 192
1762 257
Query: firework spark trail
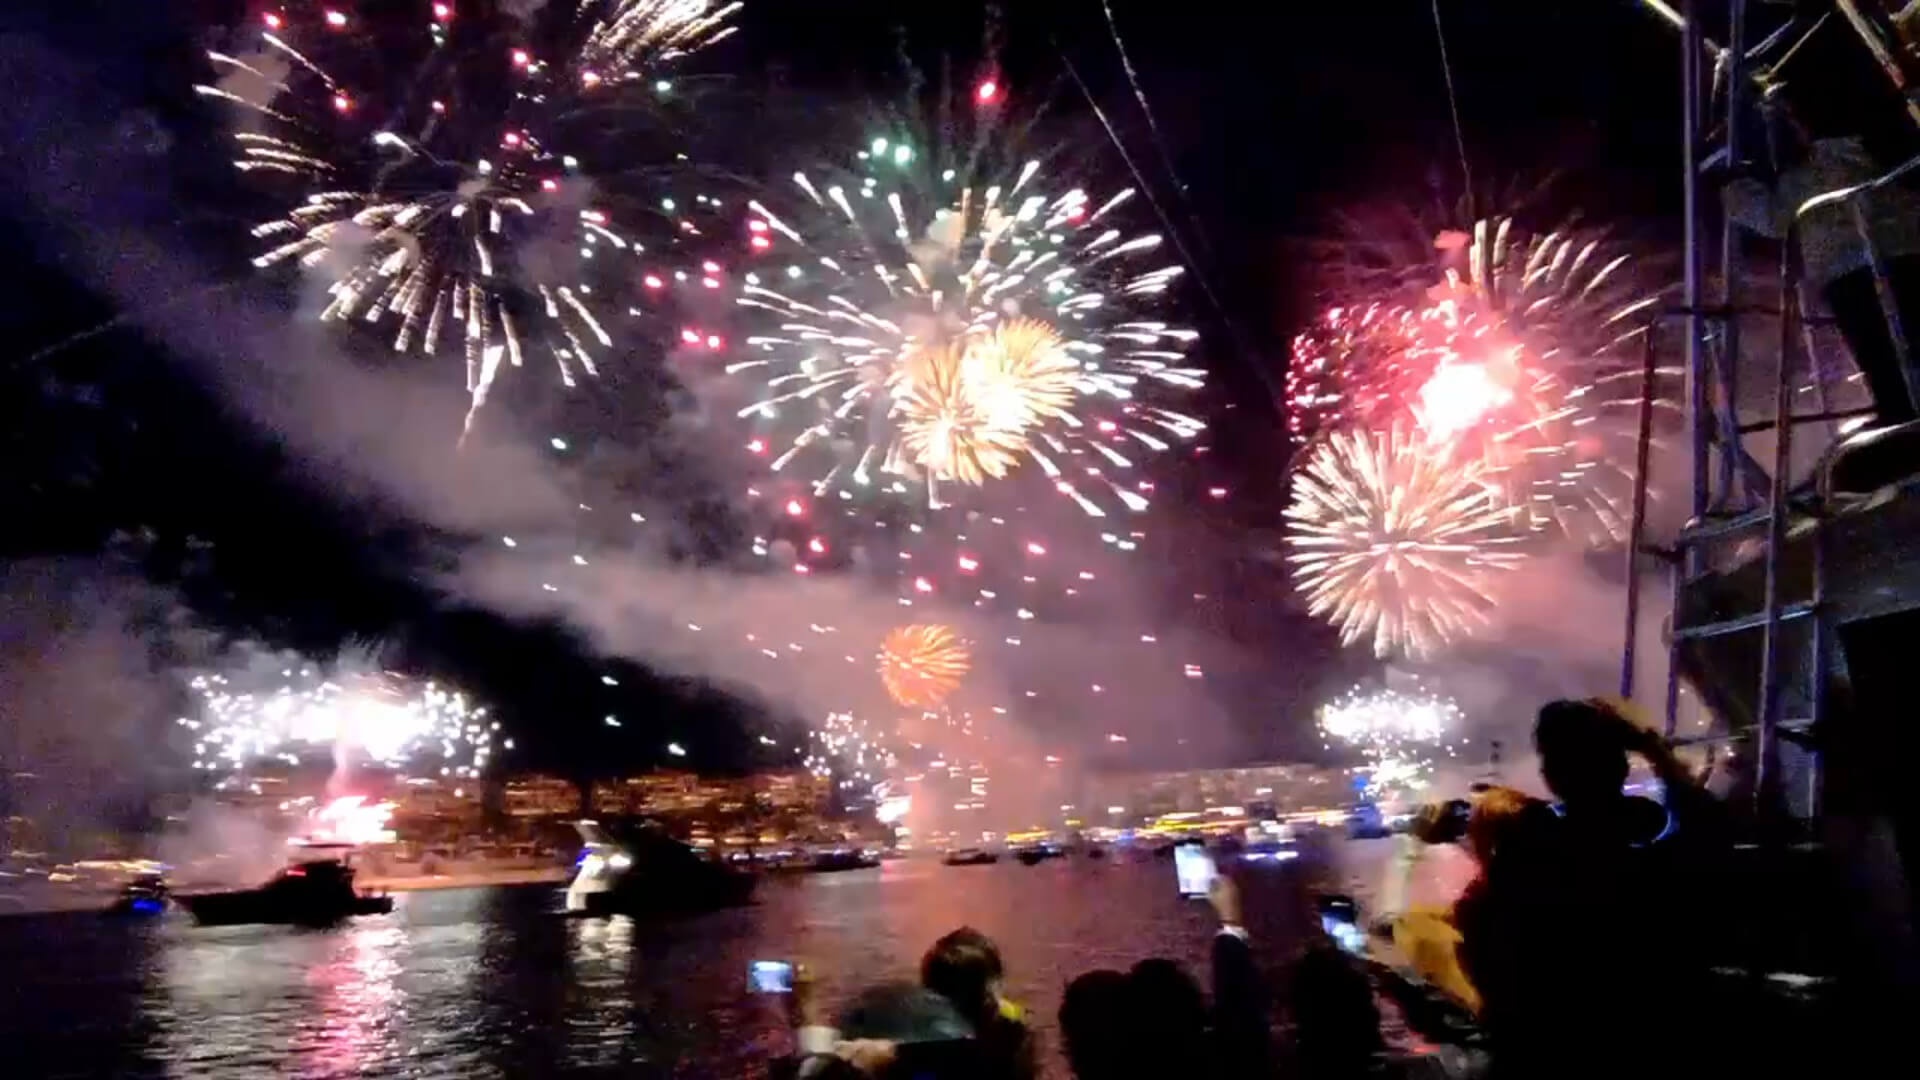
288 711
1396 732
923 664
488 254
945 333
1397 541
1514 353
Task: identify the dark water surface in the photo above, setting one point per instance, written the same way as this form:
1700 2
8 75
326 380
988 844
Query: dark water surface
487 982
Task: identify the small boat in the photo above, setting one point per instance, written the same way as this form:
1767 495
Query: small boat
837 859
971 856
1039 853
650 874
143 896
310 892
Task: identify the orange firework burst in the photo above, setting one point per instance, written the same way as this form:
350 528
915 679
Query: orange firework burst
1395 539
922 664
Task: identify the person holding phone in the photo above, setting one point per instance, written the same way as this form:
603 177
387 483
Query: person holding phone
1194 871
895 1029
1242 1037
965 968
1563 940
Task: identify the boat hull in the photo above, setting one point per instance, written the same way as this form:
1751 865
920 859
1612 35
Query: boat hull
724 889
260 906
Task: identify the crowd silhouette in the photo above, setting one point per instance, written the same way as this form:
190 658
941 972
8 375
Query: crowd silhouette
1553 960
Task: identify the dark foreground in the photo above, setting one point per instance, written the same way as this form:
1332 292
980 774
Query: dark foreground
486 982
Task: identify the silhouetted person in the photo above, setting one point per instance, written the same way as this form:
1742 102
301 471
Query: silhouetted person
965 968
1093 1026
1336 1023
1574 943
1166 1025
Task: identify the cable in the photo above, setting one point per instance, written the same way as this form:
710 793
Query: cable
1453 106
1159 141
1186 257
1133 79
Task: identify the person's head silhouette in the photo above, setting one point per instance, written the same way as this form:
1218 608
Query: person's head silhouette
1583 751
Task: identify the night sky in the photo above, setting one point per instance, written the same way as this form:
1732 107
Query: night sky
1278 118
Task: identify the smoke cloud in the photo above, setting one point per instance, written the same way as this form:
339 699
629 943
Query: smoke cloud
84 688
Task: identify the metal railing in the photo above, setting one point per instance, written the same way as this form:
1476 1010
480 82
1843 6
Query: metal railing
1726 510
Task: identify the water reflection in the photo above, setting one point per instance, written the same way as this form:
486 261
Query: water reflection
353 1026
600 1015
495 983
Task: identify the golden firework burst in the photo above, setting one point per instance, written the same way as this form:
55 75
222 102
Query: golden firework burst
1395 538
922 664
1021 375
947 427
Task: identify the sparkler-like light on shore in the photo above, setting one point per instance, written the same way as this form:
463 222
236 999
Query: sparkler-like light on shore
922 664
273 709
1396 541
350 819
1396 732
463 229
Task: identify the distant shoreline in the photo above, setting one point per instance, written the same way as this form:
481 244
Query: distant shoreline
54 902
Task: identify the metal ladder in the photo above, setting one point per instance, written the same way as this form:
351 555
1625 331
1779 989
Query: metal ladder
1724 507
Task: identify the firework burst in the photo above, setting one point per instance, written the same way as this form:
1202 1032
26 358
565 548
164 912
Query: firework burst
1396 541
1396 732
947 424
424 163
1511 350
922 664
276 709
1356 367
844 742
932 330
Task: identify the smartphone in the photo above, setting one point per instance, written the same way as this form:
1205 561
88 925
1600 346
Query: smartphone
770 977
1340 918
1193 869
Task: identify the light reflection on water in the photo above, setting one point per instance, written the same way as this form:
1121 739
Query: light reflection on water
599 1016
483 983
357 1000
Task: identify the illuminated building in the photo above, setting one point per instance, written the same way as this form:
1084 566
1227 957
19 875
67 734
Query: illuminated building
539 796
1122 798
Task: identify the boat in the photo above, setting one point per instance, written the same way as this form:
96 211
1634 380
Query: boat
971 856
1039 853
316 890
835 860
649 873
143 896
